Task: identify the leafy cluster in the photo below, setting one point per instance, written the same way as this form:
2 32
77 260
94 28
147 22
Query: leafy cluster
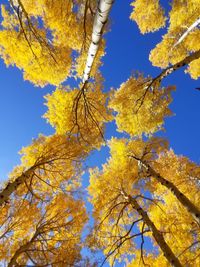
45 46
182 37
141 106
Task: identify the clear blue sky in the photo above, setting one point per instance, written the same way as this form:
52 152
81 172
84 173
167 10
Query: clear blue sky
21 104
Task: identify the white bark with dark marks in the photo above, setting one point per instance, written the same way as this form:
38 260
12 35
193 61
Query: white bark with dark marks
185 34
168 253
100 20
12 186
192 209
170 69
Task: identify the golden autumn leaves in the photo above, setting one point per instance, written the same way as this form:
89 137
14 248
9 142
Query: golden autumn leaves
44 234
44 215
150 16
119 226
141 194
81 113
139 107
35 38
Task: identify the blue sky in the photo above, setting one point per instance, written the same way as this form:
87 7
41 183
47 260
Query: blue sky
21 104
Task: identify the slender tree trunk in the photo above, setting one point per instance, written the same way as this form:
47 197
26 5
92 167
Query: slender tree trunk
192 209
100 20
170 69
22 249
12 186
168 253
185 34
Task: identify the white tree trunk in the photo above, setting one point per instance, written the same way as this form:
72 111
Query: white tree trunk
168 253
192 209
194 25
100 20
170 69
12 186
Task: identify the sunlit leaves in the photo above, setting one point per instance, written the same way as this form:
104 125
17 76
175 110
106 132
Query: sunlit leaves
117 224
149 15
148 260
43 215
79 112
182 33
46 234
49 164
141 106
43 38
31 51
172 49
181 171
114 215
42 220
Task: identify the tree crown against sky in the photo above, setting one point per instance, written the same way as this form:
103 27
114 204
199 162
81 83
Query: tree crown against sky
145 197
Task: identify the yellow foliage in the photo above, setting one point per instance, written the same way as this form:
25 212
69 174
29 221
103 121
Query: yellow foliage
194 69
140 111
148 260
41 40
180 40
83 113
36 60
149 15
59 17
48 232
50 163
171 50
58 147
122 166
44 218
113 215
176 224
182 172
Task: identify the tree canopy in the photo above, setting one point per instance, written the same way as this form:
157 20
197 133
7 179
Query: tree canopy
145 197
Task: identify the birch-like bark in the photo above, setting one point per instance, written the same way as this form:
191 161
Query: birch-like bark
185 34
100 20
170 69
192 209
12 186
22 249
168 253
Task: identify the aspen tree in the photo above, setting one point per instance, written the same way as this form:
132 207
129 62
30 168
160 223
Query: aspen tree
40 161
124 180
182 36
